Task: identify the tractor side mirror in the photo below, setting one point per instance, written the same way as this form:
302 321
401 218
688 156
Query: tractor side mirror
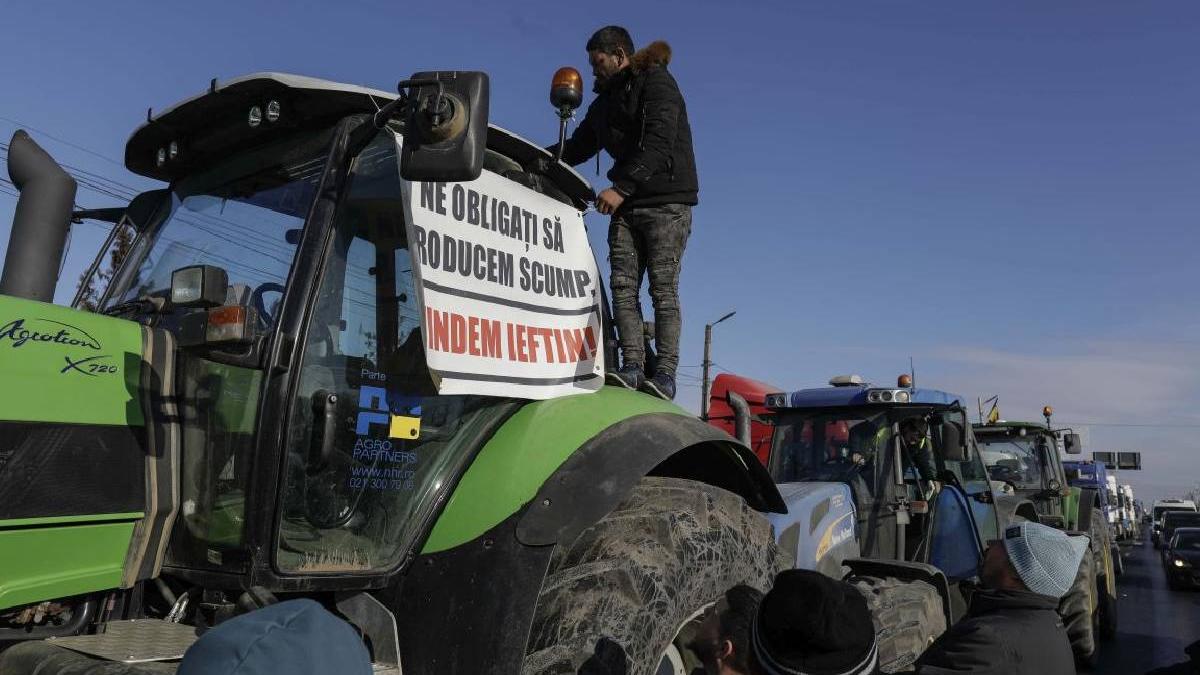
1072 444
445 133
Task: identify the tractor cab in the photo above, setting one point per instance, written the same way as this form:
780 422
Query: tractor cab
281 243
916 477
1025 457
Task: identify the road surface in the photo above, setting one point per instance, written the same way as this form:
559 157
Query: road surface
1155 623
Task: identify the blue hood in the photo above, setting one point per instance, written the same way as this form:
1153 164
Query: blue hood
298 637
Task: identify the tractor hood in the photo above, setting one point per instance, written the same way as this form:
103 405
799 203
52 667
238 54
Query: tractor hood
819 526
65 366
85 480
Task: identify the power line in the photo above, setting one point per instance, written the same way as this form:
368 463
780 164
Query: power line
52 137
1163 425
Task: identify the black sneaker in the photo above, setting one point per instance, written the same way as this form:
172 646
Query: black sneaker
661 385
630 376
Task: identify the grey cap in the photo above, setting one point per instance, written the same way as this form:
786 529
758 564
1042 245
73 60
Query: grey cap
1046 559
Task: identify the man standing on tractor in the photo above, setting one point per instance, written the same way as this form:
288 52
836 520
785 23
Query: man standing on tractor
639 118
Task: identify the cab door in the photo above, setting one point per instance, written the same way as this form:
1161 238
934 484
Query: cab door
370 448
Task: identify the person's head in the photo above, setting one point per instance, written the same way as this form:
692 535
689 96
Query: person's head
913 429
813 624
1033 557
609 52
723 641
296 636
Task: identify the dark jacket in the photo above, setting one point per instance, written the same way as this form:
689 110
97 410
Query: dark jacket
639 117
1009 632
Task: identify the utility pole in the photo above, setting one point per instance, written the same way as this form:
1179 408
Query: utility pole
705 383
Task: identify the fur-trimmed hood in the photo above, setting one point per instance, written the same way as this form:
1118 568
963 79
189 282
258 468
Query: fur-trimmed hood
657 53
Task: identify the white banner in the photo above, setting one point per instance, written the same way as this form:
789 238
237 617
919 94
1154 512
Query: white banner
507 286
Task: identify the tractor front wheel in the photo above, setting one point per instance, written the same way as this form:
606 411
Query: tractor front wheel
616 598
1079 610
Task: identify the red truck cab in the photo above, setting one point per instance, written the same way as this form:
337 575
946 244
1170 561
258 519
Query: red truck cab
721 415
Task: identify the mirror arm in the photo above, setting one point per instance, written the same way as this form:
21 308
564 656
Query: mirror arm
404 88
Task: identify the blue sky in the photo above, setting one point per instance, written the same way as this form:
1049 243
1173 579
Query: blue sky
1006 192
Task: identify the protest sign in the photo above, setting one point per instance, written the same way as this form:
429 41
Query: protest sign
507 288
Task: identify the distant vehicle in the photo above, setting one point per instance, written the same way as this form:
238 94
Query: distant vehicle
1129 512
1163 506
1173 520
1115 520
1182 558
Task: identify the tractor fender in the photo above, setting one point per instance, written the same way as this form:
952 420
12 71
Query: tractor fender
1010 507
603 471
818 529
1088 498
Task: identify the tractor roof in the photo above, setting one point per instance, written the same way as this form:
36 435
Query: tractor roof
1006 425
831 397
216 122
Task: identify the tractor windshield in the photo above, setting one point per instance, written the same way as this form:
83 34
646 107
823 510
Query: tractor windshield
842 443
1014 460
243 216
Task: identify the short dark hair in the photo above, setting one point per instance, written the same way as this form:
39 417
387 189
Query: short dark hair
609 39
736 623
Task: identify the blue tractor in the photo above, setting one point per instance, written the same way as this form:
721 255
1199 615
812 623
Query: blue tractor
885 481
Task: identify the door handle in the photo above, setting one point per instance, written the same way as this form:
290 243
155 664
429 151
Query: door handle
324 428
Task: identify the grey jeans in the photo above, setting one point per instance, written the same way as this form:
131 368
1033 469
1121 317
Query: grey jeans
648 240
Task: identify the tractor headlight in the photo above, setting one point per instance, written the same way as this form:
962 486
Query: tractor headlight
254 117
272 111
777 400
888 396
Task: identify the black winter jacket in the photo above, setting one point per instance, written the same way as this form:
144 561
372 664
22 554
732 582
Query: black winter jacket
639 117
1009 632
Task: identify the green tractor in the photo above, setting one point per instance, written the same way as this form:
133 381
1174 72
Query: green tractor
1024 457
249 417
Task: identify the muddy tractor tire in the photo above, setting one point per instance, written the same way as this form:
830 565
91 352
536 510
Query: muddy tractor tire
1106 600
1079 610
615 599
1108 613
908 617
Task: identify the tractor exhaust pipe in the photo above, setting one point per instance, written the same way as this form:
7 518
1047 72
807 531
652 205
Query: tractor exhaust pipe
741 416
41 222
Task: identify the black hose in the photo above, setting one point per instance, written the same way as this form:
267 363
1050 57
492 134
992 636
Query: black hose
80 617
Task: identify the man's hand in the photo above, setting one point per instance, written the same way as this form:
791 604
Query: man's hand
609 201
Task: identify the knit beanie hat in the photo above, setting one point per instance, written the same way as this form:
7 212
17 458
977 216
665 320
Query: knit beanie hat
297 637
1046 559
810 624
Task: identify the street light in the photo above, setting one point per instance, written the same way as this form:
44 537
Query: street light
704 384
